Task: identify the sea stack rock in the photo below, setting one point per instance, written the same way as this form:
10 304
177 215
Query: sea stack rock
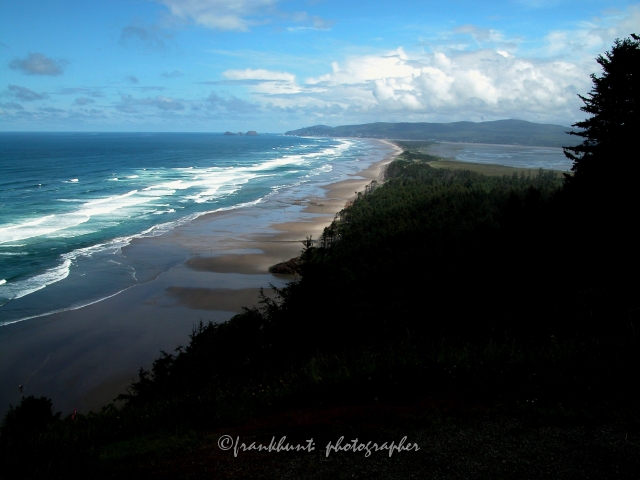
252 133
228 133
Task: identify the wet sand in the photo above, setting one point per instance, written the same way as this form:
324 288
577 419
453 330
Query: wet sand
84 358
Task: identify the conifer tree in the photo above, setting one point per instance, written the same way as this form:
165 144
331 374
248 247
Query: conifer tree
611 133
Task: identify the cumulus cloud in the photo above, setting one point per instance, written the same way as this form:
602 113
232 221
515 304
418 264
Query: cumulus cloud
438 86
481 35
164 103
25 94
38 64
483 82
362 69
491 77
259 74
261 81
596 35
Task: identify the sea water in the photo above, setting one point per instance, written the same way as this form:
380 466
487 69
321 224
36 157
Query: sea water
69 202
517 156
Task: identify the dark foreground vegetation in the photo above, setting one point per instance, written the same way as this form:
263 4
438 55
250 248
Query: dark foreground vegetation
493 320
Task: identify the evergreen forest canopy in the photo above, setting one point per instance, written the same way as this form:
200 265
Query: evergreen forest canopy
499 289
503 132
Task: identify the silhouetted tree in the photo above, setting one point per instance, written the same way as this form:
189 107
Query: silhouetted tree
31 415
610 133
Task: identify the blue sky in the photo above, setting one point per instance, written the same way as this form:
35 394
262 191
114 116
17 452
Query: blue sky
275 65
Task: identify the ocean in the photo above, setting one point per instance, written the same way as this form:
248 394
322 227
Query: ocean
69 202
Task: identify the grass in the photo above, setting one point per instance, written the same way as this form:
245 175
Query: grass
483 168
418 151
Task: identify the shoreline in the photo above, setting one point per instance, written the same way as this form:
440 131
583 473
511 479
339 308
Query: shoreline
283 240
84 358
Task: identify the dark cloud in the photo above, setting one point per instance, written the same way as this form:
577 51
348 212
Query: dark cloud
38 64
150 88
128 103
173 74
230 103
84 113
11 105
236 82
164 103
91 92
135 33
149 38
126 108
51 110
132 79
83 101
24 94
313 22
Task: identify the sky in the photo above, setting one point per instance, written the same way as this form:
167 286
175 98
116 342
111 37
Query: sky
277 65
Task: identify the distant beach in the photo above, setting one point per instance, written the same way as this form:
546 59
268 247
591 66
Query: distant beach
204 269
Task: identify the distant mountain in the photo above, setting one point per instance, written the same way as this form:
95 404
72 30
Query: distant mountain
507 132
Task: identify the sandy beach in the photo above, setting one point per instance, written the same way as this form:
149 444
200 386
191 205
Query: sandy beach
205 270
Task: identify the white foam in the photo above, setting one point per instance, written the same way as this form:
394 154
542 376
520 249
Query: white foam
45 226
60 310
3 281
21 288
207 184
17 232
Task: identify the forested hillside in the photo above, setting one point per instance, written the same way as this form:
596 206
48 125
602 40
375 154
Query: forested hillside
505 132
